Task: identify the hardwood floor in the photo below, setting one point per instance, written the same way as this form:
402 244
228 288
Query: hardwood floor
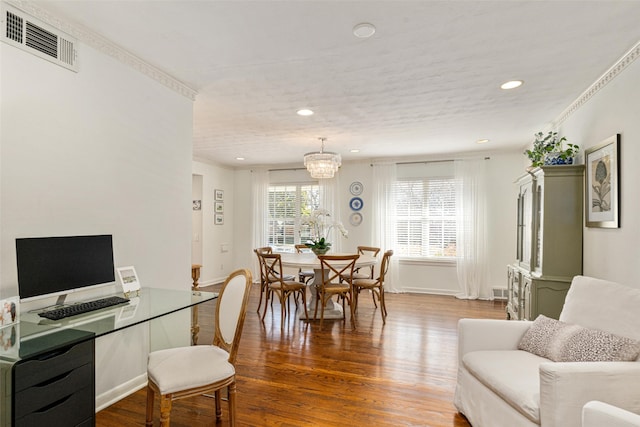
399 374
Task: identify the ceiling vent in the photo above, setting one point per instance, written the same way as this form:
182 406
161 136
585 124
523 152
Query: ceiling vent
38 38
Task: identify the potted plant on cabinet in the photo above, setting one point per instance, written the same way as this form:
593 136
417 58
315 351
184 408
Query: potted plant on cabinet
547 150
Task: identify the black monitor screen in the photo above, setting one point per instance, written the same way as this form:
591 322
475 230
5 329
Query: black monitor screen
50 265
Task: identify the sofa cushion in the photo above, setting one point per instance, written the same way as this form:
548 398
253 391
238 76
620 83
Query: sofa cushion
564 342
511 374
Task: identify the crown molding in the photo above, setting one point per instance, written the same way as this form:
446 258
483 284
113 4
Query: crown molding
105 46
599 84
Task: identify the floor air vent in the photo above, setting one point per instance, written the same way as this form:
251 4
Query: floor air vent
30 35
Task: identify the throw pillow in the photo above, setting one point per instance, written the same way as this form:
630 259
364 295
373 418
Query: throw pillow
564 342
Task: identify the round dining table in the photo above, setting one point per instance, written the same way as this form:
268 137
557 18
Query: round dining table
311 261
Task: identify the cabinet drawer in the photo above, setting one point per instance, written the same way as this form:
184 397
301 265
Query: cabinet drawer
71 410
34 371
35 398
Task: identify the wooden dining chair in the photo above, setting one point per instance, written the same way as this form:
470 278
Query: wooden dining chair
305 276
282 285
337 271
376 286
263 279
177 373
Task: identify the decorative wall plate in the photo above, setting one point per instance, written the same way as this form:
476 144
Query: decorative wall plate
356 188
355 203
355 219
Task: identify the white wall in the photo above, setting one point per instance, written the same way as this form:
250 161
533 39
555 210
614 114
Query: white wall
218 241
105 150
612 254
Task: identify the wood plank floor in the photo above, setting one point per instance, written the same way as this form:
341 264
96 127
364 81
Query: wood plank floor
399 374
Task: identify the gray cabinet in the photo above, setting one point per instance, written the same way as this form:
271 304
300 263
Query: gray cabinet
549 241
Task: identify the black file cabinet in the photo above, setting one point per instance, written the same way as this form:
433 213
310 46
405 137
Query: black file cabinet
55 387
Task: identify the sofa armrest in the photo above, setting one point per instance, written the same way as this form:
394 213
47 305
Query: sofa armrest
489 334
566 387
598 414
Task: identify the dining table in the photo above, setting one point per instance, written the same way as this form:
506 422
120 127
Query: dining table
311 261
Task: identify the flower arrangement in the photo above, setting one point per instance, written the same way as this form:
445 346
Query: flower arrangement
320 227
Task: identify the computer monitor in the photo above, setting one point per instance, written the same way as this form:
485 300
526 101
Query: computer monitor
50 266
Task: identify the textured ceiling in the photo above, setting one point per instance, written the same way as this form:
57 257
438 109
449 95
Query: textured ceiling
426 84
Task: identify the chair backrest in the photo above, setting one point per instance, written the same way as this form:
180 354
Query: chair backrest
368 250
600 304
335 267
302 249
384 266
260 251
272 265
231 309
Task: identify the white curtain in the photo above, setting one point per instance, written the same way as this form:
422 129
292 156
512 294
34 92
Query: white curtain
259 199
383 225
471 229
329 200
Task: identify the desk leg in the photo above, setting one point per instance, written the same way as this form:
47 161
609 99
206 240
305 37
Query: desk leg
195 327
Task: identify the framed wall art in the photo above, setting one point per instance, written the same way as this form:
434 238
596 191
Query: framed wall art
219 219
602 186
219 195
219 207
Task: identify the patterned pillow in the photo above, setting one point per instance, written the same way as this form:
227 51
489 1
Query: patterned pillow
565 342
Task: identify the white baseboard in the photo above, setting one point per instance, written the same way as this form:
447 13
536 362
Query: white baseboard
118 393
429 291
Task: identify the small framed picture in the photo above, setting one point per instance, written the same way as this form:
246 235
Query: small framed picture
9 311
129 280
197 205
219 207
602 198
219 219
219 195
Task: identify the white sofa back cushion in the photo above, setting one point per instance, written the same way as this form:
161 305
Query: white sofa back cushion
603 305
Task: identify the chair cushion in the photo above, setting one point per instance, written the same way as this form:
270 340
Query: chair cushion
183 368
565 342
511 374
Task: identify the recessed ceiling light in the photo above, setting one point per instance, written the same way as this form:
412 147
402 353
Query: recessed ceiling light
355 150
482 141
305 112
239 158
364 30
511 84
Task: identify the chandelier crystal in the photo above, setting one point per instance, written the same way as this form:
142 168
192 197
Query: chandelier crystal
322 164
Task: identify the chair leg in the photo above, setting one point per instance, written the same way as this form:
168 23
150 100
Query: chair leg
150 399
304 302
373 297
262 289
165 410
231 390
218 399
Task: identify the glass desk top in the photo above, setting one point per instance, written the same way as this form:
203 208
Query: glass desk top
34 334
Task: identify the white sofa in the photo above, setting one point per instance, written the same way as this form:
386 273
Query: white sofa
499 385
600 414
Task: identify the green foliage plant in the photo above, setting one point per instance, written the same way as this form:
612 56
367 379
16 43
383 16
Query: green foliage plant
550 143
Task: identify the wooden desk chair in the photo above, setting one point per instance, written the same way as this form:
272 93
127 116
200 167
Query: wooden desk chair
304 275
337 272
177 373
376 286
263 278
279 284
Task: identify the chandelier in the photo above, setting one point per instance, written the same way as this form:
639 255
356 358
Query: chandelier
322 164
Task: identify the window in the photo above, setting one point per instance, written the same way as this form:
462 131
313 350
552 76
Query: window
286 204
426 217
